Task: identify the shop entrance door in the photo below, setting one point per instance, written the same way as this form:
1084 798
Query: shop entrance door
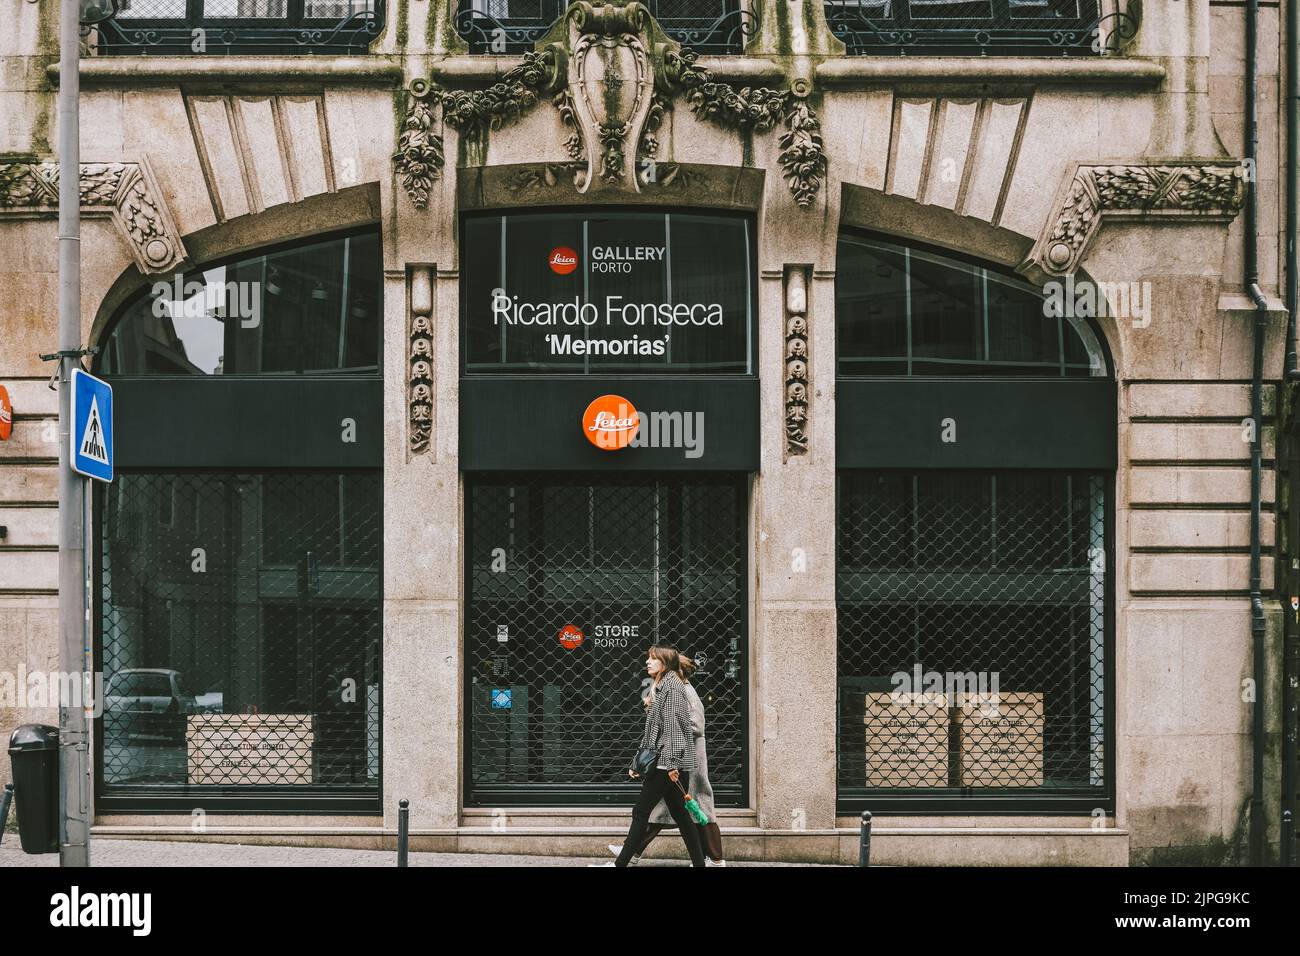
570 579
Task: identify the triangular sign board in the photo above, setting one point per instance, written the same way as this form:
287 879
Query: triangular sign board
92 443
91 437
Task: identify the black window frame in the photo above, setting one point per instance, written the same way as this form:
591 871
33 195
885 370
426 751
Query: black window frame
154 412
725 32
972 28
910 444
292 34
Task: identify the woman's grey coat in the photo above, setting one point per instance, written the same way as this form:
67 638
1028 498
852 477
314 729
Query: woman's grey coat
698 787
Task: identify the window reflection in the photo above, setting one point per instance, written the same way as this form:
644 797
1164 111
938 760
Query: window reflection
905 311
311 309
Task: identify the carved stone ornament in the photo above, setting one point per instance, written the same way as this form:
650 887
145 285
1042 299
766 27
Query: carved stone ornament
419 158
611 73
420 380
1213 190
128 192
796 362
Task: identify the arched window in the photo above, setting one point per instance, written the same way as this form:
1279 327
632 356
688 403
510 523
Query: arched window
904 311
305 309
976 452
239 546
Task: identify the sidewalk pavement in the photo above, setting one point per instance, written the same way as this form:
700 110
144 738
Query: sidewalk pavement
158 853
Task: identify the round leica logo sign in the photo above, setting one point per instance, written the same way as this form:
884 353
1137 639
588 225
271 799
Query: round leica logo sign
610 422
563 260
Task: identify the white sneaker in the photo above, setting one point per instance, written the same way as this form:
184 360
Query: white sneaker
610 863
708 861
617 848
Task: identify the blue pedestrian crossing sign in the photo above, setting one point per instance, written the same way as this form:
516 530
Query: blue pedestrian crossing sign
92 426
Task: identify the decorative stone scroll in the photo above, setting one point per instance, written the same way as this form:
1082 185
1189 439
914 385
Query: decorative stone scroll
128 192
1093 193
611 73
420 380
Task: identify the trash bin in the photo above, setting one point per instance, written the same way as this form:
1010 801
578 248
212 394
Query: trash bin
34 759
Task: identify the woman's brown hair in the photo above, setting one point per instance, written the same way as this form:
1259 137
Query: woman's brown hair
667 656
687 667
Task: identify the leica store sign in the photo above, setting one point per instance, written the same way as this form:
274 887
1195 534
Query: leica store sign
612 423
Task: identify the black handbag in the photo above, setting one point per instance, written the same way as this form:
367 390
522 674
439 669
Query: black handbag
645 760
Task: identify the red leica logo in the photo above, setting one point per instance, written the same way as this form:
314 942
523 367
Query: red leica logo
571 636
563 260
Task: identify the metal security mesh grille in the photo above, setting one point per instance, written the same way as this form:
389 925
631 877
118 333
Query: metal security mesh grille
187 27
972 632
980 27
569 582
514 26
240 631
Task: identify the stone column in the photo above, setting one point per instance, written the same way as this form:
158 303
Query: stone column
794 510
422 507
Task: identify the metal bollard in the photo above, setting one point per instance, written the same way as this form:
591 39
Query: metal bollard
4 808
403 830
864 840
1288 837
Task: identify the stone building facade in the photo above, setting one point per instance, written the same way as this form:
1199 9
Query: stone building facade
906 468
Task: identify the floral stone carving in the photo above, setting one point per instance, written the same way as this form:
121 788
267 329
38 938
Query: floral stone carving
127 192
1209 190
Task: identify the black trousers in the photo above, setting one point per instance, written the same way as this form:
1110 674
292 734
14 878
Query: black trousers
655 787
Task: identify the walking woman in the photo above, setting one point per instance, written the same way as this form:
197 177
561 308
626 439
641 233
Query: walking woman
699 788
665 754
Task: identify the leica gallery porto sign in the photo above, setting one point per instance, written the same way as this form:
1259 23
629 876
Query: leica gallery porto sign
611 292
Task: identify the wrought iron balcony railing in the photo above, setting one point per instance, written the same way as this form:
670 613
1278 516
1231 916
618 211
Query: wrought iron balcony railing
513 26
982 27
216 27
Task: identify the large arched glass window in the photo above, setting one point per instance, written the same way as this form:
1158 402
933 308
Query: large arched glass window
304 309
238 573
976 452
904 311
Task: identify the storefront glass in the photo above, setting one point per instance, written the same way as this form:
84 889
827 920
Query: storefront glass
238 629
967 588
241 610
582 292
570 579
904 311
972 599
305 309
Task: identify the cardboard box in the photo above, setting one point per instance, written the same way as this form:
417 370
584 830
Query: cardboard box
1002 741
907 740
249 749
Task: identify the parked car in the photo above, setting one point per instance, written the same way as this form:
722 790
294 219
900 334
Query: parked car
210 702
147 705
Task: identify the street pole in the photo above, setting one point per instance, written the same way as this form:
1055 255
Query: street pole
74 755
